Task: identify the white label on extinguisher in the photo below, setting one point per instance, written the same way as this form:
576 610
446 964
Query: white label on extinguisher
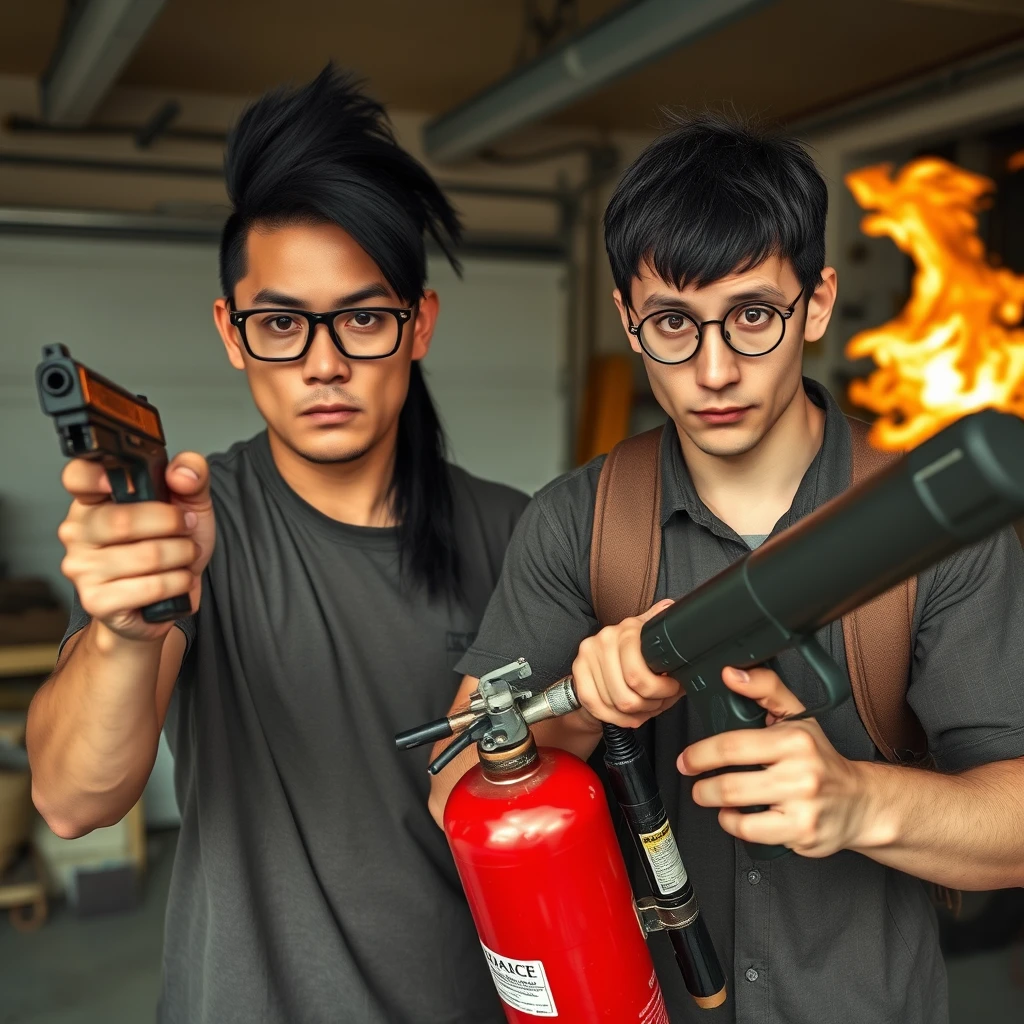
663 855
522 984
654 1012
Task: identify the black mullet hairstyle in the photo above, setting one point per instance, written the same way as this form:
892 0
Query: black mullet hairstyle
326 153
714 196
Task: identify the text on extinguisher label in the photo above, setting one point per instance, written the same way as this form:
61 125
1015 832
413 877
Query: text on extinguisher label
654 1012
664 858
522 984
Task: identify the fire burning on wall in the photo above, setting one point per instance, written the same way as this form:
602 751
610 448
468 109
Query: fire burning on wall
958 344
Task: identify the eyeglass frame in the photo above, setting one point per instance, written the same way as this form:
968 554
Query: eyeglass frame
701 324
238 317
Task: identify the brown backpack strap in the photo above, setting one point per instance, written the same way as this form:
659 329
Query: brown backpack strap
879 644
626 543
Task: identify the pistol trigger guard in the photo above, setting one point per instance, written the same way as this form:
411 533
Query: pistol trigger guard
835 682
119 484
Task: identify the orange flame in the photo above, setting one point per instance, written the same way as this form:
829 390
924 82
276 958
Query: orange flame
957 345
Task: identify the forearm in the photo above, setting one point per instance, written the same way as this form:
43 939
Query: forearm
962 831
93 731
579 733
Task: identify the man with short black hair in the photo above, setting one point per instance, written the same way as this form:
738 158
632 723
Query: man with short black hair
336 564
716 241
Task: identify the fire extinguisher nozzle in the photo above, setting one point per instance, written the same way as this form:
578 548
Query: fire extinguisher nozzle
429 733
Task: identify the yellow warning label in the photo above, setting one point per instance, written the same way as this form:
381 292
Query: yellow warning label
663 856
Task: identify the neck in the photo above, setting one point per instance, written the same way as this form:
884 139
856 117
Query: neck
355 492
751 492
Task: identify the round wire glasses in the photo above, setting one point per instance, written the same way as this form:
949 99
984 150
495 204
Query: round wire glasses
750 328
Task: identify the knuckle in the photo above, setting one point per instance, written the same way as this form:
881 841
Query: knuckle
728 789
152 556
741 828
731 746
118 522
67 533
89 599
70 567
629 703
800 743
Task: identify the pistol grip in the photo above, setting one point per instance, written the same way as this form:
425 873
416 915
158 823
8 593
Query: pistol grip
147 485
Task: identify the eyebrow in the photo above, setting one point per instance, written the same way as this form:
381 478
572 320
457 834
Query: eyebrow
268 297
662 300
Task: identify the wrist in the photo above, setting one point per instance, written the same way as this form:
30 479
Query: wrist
109 644
583 722
878 800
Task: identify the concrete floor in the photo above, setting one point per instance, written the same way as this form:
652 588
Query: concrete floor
107 970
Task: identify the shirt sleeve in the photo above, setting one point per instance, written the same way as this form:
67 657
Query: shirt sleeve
966 680
541 609
79 619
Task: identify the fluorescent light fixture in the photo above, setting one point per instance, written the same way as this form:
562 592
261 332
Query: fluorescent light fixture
622 41
97 40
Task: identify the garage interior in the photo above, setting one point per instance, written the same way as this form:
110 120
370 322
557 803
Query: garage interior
113 116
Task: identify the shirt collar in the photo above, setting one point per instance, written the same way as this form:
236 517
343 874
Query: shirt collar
827 476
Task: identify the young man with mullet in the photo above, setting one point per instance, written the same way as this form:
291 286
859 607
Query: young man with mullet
335 563
716 237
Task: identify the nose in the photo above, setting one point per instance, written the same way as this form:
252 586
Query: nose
717 365
324 362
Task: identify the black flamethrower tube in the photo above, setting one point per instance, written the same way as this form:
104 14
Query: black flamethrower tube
636 792
953 490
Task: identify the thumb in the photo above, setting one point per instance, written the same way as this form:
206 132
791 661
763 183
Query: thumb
655 609
188 478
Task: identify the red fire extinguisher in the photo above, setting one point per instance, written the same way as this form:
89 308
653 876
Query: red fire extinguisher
536 851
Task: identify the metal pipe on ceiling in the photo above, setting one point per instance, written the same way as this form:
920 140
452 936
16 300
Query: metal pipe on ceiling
948 78
170 169
626 39
97 40
115 224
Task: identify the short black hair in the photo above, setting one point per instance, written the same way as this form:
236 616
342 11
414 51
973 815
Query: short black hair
713 196
326 153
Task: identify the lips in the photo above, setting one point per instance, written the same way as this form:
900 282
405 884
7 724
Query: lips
326 415
726 414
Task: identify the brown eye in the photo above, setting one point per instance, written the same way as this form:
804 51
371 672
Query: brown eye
281 324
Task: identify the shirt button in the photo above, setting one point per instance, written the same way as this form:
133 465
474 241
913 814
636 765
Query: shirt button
753 876
751 974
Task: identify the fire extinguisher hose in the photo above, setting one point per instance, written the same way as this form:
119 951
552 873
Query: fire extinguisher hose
674 906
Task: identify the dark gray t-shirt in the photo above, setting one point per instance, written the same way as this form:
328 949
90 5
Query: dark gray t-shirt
838 940
311 885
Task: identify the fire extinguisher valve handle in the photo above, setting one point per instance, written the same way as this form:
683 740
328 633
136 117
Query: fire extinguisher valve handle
453 750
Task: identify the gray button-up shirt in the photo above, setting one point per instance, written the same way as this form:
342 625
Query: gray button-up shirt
803 941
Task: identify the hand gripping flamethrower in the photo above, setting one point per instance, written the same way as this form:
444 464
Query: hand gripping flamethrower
497 720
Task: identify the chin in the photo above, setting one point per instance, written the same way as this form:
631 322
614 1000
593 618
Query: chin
330 447
724 443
